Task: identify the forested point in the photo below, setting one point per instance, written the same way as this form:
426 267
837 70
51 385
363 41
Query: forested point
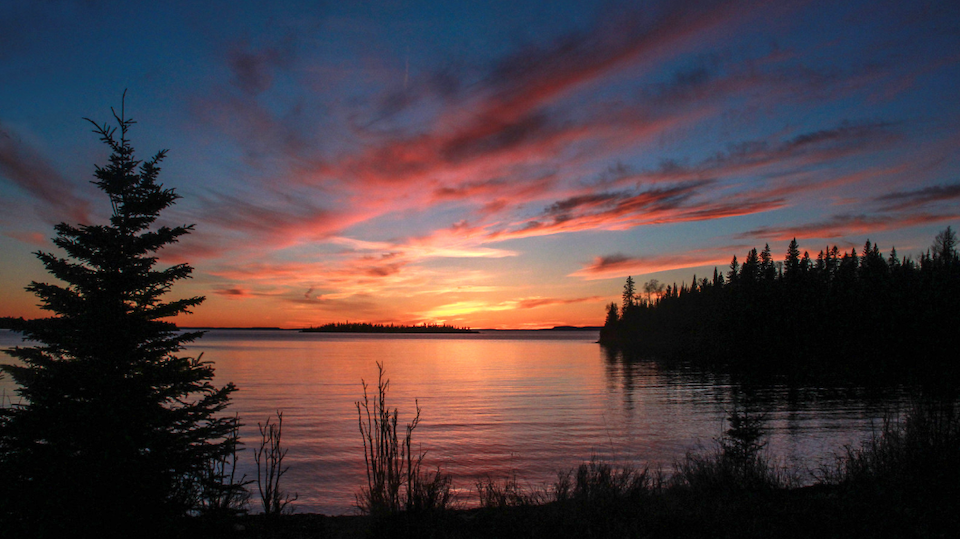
842 312
348 327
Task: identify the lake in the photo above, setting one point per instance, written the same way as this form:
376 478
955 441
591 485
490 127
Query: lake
523 404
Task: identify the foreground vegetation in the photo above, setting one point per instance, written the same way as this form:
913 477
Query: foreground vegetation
839 313
904 482
115 433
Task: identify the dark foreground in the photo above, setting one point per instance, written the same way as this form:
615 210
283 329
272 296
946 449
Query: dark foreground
905 482
817 511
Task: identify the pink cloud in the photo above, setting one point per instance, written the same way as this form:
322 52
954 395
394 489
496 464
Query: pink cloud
233 293
33 238
537 76
533 303
620 265
847 225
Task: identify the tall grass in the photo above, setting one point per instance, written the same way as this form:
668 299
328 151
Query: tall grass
395 479
737 462
917 452
600 483
270 468
508 492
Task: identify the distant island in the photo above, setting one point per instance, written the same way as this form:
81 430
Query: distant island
573 328
347 327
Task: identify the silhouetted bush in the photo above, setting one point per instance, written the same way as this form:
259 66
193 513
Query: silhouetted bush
905 480
270 469
507 492
916 452
395 480
737 461
597 483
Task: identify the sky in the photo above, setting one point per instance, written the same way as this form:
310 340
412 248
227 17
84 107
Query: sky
483 164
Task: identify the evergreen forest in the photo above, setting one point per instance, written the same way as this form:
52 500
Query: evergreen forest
845 313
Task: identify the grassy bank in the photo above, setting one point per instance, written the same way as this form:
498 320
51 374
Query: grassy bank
904 482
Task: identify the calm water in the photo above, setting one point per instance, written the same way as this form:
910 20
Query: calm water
502 404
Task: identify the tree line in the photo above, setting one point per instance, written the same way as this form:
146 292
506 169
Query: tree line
366 327
851 312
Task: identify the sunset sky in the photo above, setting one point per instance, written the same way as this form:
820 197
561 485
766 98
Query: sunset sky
488 164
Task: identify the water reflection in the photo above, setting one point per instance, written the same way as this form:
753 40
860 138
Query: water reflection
507 403
807 425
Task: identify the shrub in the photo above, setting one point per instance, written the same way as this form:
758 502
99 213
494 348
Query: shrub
395 480
507 492
918 452
270 469
599 483
736 463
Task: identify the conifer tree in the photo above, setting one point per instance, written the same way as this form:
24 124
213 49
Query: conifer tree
734 274
768 270
893 261
945 247
791 264
750 271
629 294
114 431
613 315
805 263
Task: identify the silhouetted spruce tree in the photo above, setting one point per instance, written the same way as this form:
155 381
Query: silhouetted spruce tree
733 276
629 294
768 270
750 271
115 431
791 264
945 247
613 315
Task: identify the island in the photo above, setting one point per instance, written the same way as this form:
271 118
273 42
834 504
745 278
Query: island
363 327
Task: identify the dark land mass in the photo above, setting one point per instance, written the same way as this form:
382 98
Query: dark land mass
382 328
840 314
554 328
903 483
808 512
574 328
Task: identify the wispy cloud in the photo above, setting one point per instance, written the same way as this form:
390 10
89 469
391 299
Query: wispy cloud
25 167
533 303
253 69
847 225
233 292
504 143
460 308
904 200
619 265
